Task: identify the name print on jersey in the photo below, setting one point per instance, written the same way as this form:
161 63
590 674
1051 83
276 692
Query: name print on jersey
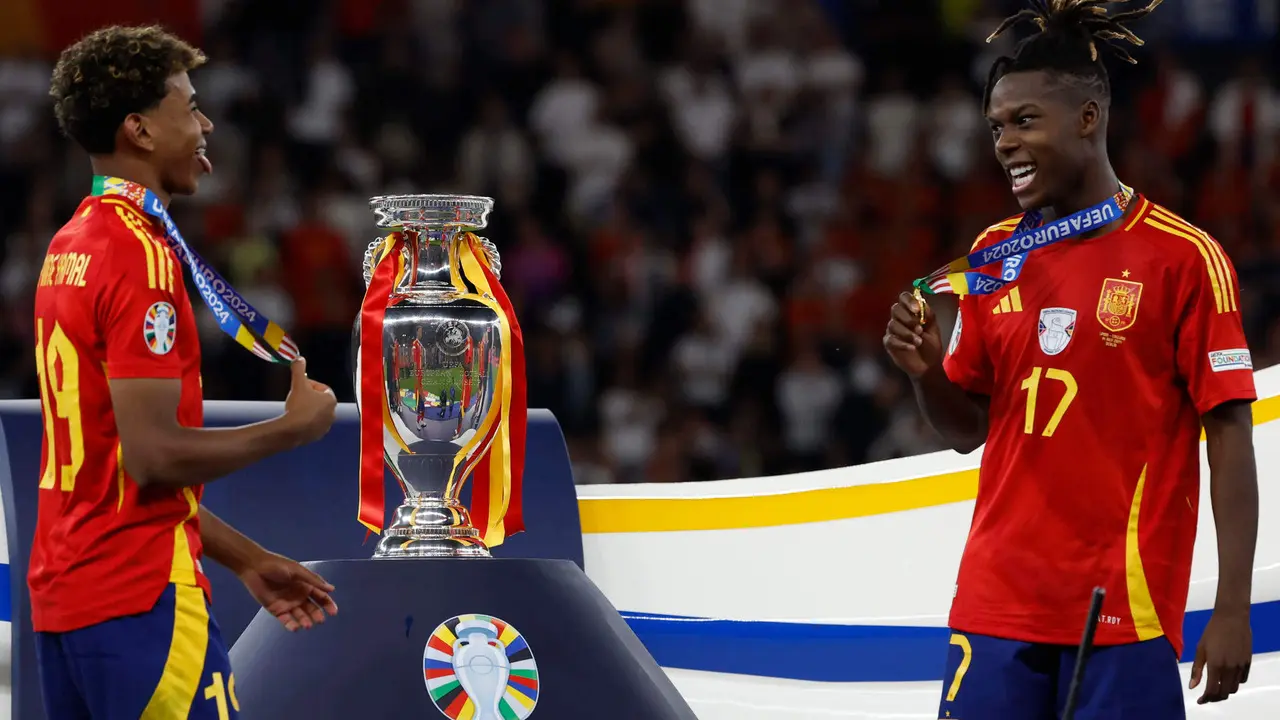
64 269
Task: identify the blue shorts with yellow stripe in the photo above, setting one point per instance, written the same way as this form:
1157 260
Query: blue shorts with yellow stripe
166 664
991 678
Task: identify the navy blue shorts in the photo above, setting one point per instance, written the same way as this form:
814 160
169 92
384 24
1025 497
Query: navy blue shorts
992 679
165 664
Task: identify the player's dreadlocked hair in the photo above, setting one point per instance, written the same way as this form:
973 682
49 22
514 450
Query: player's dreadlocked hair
1067 42
111 73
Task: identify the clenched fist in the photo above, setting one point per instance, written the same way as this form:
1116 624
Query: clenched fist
311 406
914 348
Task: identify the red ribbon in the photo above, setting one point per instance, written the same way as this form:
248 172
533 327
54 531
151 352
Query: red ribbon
513 521
373 503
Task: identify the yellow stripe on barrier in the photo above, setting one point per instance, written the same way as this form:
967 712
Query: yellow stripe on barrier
609 515
622 515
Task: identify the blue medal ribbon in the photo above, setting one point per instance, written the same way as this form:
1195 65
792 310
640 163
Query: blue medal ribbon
959 277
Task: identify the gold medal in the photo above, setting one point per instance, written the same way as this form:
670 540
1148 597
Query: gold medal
920 302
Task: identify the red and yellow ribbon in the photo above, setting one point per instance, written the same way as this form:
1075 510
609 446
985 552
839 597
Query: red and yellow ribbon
374 411
496 494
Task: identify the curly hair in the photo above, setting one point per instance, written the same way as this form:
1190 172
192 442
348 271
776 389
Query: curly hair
111 73
1067 42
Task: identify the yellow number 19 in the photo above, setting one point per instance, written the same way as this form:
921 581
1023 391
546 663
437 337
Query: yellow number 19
61 391
1032 386
220 694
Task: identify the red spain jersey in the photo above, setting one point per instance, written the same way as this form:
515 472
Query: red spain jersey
1099 363
110 303
418 357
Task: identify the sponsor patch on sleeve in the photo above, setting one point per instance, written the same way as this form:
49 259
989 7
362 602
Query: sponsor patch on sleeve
955 335
1237 359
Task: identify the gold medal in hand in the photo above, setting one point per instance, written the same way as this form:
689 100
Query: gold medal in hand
921 304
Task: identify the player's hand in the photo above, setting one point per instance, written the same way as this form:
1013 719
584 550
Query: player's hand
298 597
311 405
913 348
1226 649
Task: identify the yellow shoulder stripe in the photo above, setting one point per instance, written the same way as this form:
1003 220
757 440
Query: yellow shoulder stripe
1138 215
159 259
1215 260
1009 224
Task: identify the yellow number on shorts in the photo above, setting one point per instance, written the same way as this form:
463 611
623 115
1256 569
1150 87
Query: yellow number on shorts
61 393
222 694
963 643
1032 386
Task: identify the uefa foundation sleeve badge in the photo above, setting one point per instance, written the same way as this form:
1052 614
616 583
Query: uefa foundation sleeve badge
478 667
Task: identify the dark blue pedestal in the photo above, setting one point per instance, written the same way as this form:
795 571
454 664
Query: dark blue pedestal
367 662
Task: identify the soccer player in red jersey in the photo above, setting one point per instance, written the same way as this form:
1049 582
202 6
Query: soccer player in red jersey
1089 380
119 600
419 393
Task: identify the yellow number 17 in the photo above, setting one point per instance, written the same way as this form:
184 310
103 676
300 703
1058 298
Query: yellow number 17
1032 386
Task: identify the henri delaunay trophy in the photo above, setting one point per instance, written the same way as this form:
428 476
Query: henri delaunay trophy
439 380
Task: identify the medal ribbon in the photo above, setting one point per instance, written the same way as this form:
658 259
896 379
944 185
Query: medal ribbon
237 318
958 276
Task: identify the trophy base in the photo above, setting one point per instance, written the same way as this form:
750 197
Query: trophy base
412 546
429 527
379 658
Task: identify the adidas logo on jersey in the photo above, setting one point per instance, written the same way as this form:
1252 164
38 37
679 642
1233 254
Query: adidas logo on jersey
1012 302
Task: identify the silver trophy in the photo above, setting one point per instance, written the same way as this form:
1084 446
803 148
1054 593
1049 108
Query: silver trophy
440 353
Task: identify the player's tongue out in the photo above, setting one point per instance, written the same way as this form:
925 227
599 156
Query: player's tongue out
203 159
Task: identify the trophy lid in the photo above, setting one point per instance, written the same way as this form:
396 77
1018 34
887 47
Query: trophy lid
431 210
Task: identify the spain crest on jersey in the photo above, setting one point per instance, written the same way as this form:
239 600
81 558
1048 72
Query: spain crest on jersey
1118 304
160 327
1057 326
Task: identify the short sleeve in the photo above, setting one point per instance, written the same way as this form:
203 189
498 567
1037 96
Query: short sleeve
966 361
136 304
1212 355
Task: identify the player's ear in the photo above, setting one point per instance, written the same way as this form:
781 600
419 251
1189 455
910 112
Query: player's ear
1090 118
135 131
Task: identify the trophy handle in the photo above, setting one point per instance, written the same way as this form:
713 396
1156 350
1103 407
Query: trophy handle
491 256
372 255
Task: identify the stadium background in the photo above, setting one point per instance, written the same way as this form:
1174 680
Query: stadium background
705 207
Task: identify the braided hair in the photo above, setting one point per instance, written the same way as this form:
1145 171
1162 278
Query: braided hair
1067 42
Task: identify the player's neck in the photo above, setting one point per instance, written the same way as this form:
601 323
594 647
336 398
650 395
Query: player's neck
131 169
1099 184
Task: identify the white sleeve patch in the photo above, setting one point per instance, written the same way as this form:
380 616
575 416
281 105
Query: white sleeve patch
1237 359
955 335
160 328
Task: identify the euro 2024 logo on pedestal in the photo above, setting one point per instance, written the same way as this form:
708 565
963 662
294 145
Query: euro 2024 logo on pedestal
478 667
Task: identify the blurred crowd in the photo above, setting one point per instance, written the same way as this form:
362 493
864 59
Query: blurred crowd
704 207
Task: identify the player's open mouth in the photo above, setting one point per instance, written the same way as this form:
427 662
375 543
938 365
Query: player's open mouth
203 160
1022 174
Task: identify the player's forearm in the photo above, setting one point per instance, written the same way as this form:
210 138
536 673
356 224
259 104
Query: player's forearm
958 417
1233 490
225 545
185 457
